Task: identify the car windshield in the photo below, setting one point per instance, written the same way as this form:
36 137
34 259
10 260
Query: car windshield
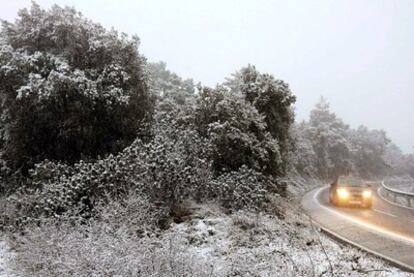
350 181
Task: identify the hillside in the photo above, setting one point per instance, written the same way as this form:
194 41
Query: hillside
115 166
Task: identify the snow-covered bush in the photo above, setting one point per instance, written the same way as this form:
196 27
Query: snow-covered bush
173 166
8 180
68 87
168 169
245 189
93 247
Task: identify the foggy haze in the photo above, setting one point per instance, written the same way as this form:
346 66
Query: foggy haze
357 54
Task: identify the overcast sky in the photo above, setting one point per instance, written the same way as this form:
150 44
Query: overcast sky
357 54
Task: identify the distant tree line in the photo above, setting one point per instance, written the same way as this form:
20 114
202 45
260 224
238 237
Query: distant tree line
326 147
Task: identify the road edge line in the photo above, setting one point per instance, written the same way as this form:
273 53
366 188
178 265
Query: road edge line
391 261
382 212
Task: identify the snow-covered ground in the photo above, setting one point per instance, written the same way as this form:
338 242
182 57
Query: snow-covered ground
5 256
212 243
209 242
248 244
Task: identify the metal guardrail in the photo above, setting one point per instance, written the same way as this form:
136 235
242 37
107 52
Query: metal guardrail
396 195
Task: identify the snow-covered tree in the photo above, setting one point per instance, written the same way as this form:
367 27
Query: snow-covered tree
237 131
369 147
171 90
164 81
398 162
329 137
410 164
68 87
303 156
273 99
326 147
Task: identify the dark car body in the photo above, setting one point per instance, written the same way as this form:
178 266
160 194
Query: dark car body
350 191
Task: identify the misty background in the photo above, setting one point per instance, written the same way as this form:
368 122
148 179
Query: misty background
357 54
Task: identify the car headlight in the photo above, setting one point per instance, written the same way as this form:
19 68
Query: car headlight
367 193
343 193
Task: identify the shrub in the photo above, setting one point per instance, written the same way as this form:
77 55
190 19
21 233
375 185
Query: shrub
245 189
108 245
167 170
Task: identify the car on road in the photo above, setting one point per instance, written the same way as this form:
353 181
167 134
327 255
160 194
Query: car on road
350 191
